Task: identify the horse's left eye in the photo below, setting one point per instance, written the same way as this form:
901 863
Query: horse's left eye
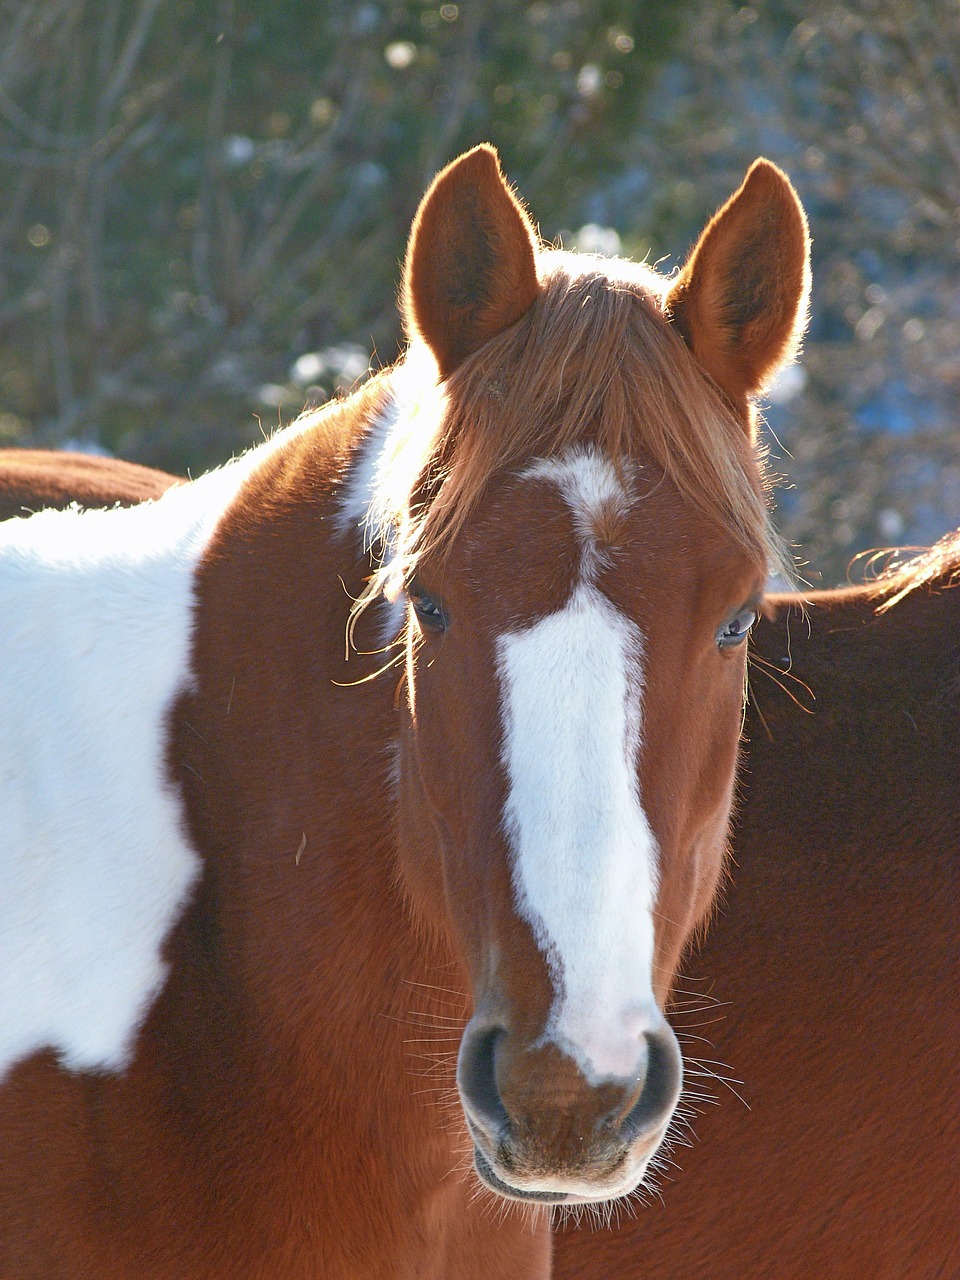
737 629
429 611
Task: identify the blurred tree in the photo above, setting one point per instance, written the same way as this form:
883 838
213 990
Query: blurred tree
861 104
206 200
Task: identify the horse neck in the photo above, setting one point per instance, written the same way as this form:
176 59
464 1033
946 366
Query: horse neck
286 756
866 665
864 704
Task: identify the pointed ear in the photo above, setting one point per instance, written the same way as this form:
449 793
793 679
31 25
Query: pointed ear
471 266
740 301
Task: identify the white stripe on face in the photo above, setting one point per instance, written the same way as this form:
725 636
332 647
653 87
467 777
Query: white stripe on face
584 856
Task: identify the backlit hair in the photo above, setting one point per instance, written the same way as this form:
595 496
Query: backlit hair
594 361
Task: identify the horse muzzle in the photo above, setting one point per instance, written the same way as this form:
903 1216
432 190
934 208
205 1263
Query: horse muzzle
545 1133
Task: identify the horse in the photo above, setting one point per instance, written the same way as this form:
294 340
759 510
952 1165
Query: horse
39 479
875 1199
829 978
362 796
874 1196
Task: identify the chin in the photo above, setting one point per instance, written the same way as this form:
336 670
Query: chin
576 1190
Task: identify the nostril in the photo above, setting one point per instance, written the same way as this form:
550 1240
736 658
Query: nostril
477 1078
661 1086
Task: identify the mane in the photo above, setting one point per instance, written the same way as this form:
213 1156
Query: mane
593 362
939 564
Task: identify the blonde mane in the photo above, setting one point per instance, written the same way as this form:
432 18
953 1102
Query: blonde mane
902 576
593 361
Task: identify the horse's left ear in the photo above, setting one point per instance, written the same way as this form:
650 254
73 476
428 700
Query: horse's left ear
471 266
740 301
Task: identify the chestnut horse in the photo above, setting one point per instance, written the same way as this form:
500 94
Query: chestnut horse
873 1196
250 887
35 479
829 979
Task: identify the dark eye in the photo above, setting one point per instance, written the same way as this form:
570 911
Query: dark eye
737 629
429 611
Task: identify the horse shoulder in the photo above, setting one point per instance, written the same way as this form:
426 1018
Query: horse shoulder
96 615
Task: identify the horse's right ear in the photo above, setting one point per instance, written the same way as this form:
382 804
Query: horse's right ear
471 268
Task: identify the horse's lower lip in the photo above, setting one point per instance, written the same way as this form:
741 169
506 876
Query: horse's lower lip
485 1170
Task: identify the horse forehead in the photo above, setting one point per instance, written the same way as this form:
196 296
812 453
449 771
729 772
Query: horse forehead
595 496
588 482
638 537
547 524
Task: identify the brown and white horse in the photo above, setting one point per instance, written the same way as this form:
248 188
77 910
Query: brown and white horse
867 786
830 977
247 885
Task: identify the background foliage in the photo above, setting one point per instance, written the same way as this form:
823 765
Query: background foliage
205 204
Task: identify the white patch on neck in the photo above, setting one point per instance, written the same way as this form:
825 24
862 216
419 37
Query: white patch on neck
584 856
387 458
96 616
360 504
589 484
391 451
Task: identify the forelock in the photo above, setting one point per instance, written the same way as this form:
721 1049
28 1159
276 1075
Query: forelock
593 363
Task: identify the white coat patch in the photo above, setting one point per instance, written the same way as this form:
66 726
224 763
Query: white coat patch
96 613
388 458
390 455
584 855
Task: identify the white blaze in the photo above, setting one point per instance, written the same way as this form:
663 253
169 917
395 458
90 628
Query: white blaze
591 488
584 855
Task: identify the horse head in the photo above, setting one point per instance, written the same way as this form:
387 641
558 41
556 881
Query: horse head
575 523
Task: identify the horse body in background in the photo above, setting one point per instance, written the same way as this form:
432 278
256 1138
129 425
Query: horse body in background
829 978
34 479
245 891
